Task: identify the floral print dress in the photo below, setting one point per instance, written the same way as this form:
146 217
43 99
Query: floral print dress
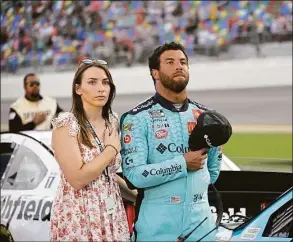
81 215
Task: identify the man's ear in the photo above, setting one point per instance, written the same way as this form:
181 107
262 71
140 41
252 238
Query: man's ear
77 89
155 74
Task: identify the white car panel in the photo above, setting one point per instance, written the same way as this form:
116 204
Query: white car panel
26 209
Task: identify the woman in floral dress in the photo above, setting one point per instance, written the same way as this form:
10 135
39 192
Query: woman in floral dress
88 204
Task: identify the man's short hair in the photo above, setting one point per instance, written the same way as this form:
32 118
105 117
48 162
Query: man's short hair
154 58
26 76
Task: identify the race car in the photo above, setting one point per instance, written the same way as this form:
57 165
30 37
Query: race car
29 179
274 223
30 176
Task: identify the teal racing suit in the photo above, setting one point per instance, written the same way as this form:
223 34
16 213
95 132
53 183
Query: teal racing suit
173 200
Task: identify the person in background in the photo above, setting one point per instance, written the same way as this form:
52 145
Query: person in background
33 111
88 203
253 34
172 181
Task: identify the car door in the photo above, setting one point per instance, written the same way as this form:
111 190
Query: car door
29 180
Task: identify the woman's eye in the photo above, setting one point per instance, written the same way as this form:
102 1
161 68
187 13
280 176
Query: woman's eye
106 83
170 62
92 82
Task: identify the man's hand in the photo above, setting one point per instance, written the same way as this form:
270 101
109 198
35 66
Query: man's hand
195 159
39 118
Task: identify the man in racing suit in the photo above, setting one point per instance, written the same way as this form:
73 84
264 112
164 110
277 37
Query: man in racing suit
172 181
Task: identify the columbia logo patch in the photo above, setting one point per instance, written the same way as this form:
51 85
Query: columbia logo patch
161 148
145 173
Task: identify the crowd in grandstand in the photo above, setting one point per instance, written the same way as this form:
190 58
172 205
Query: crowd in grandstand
62 32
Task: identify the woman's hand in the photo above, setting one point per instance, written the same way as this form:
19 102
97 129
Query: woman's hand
112 139
126 193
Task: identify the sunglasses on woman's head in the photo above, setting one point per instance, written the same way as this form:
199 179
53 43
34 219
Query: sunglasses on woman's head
92 61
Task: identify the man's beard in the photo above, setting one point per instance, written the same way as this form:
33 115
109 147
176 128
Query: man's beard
35 95
175 86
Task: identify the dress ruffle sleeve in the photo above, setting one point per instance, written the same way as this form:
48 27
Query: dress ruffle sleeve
67 119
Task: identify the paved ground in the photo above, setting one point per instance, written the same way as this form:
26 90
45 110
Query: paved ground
255 109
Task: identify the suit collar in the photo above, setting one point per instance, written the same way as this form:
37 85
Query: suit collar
169 105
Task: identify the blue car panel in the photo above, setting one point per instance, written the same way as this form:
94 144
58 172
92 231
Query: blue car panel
272 224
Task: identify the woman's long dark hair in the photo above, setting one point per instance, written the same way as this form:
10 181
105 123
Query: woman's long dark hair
77 106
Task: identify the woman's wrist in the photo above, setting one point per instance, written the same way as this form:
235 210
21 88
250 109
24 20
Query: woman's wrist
112 147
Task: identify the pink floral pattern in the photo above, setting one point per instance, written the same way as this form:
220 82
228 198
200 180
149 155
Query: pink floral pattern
80 215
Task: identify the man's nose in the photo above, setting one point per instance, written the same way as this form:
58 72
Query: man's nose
179 66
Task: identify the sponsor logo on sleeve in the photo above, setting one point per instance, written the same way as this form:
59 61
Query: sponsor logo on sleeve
127 139
174 169
161 148
128 161
191 126
143 105
127 127
129 151
172 148
200 106
145 173
196 113
161 134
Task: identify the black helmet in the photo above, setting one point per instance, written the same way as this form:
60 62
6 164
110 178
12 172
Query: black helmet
212 129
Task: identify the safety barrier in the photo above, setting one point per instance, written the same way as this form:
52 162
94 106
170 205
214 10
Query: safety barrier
253 72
